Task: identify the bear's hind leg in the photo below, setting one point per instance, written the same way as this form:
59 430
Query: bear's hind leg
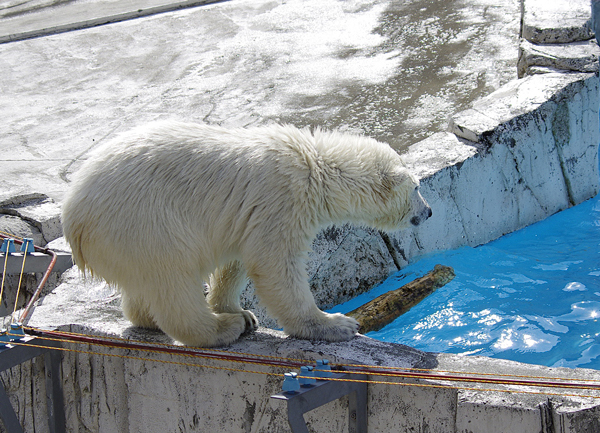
184 315
226 285
137 312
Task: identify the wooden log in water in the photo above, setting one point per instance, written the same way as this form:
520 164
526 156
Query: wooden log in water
384 309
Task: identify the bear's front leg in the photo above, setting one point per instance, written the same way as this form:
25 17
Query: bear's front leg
284 290
225 288
179 308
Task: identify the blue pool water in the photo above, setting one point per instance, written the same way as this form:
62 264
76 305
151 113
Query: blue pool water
531 296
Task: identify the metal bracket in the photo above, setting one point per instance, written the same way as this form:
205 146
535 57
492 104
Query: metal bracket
13 355
325 391
36 262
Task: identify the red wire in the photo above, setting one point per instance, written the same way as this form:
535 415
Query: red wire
297 364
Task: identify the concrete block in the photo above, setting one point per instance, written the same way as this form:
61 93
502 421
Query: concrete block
40 212
30 403
576 418
437 152
576 56
555 21
514 99
411 408
15 226
521 159
543 116
484 412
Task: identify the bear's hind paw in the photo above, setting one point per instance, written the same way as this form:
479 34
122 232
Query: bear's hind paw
251 321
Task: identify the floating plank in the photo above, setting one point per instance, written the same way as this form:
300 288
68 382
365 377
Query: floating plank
384 309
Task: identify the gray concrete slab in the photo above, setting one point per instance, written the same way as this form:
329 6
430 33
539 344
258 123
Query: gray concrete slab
392 70
556 21
32 19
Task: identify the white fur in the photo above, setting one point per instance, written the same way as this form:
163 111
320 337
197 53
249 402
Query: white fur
167 207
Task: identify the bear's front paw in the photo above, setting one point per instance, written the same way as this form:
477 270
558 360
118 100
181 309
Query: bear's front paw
251 321
328 327
339 327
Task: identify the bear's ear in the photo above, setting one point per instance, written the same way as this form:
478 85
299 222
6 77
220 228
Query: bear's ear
383 187
391 182
401 179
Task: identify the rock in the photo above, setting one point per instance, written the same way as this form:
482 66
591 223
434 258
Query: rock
555 21
38 211
347 261
16 227
576 56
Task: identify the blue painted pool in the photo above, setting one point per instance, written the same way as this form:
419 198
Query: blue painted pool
531 296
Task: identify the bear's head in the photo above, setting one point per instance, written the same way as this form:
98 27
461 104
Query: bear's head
398 203
367 182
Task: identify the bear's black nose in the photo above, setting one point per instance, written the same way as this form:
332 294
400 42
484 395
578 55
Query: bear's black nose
418 219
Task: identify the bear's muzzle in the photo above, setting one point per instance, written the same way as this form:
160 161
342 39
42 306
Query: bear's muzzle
423 216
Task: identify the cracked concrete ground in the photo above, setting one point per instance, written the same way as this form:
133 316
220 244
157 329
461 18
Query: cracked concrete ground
392 70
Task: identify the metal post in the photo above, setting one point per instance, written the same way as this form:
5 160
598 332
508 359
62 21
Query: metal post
54 392
7 413
12 355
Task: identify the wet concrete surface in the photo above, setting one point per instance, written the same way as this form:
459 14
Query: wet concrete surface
394 70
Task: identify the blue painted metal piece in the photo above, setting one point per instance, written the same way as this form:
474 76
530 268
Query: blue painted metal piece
324 391
27 246
16 332
308 376
291 383
323 370
8 245
14 355
4 339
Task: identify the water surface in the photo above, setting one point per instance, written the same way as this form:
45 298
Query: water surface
531 296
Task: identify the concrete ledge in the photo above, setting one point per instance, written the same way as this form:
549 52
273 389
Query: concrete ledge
577 56
132 391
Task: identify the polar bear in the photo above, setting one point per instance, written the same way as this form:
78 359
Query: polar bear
170 207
